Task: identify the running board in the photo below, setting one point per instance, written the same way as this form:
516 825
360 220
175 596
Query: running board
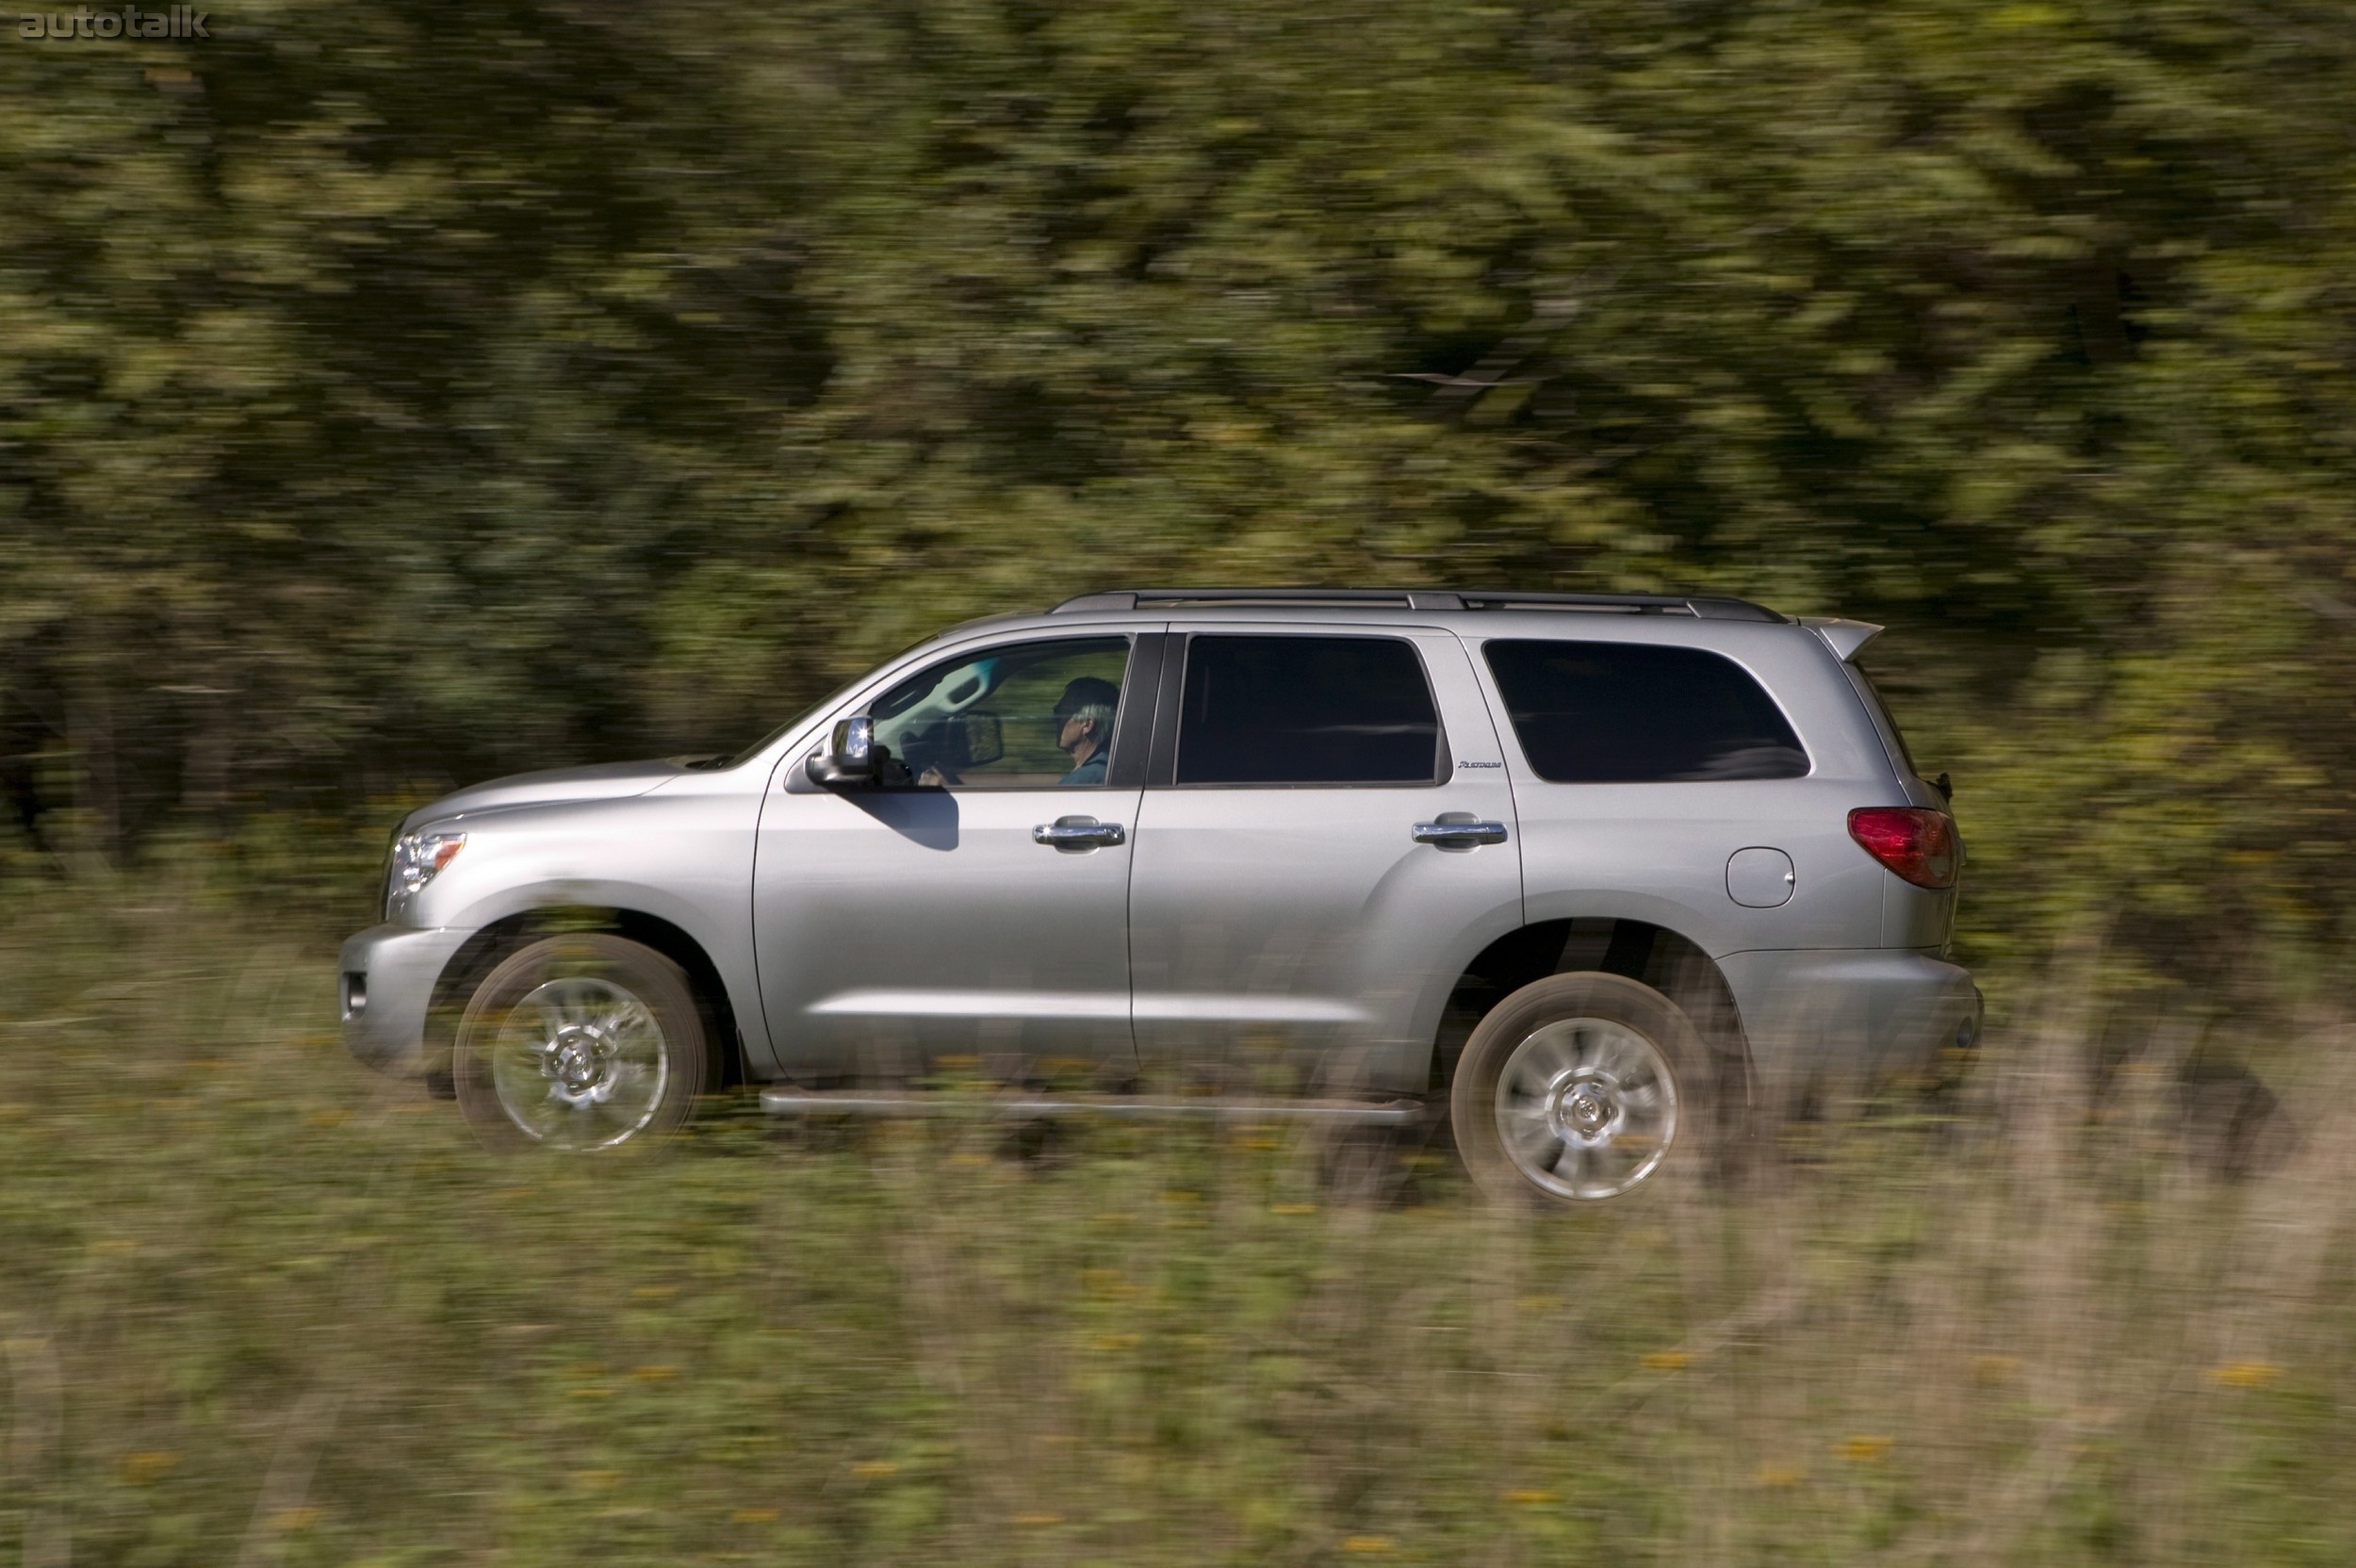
1029 1107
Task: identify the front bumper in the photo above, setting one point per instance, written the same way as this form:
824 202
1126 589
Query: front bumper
1828 1014
386 980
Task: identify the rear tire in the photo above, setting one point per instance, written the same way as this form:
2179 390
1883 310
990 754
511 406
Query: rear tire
1579 1088
581 1043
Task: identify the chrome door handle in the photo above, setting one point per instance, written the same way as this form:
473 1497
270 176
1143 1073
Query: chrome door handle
1078 833
1459 835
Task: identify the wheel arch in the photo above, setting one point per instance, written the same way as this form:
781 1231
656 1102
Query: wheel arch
1658 956
493 943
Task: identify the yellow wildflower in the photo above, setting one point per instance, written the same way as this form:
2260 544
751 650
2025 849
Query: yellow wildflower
145 1466
2245 1374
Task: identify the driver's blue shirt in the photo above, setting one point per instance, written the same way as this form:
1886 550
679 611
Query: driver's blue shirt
1089 771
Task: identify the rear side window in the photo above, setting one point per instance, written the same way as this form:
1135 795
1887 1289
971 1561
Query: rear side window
1306 710
1640 713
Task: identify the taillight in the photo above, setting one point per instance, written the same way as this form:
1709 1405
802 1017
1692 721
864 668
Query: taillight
1917 843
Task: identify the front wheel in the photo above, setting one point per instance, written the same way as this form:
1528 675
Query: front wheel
579 1042
1579 1088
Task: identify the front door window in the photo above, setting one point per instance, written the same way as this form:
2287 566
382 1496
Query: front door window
1021 716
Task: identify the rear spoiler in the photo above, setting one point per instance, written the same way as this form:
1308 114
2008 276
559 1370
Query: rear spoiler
1846 639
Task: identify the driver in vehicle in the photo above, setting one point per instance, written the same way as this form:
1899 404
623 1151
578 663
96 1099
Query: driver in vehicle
1084 718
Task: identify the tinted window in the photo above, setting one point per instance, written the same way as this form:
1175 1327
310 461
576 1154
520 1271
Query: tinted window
1019 716
1636 713
1306 710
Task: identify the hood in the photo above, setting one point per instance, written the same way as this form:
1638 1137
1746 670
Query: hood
603 781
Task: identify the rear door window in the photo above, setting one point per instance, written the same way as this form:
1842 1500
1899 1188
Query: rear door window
1640 713
1303 711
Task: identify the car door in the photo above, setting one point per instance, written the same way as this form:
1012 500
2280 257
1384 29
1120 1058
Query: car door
976 906
1323 845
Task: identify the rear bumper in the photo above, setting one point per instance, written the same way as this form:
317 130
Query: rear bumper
385 986
1847 1013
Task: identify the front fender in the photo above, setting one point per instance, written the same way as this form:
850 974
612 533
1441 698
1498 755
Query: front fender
723 933
682 854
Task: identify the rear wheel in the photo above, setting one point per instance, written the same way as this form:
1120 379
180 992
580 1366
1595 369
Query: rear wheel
579 1042
1582 1087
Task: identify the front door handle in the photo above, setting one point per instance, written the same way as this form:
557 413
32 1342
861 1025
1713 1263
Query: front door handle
1078 833
1459 835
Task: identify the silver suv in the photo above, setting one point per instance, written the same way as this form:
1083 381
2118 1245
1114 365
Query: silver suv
1600 872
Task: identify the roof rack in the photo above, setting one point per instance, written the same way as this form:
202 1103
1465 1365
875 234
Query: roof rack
1703 607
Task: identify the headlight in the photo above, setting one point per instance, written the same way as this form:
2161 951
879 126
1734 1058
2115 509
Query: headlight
416 858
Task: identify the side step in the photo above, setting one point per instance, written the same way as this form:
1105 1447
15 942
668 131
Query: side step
779 1101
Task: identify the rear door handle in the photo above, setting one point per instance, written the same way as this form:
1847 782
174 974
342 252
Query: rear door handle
1459 835
1078 833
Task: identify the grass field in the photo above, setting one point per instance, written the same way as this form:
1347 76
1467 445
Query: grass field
261 1307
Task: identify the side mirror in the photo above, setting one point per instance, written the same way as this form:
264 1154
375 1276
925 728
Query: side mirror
848 756
979 739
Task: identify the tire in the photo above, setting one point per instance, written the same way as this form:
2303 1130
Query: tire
580 1043
1580 1089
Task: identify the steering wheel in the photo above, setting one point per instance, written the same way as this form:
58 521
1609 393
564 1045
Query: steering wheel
928 753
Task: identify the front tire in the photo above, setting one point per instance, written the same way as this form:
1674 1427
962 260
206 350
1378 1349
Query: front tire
579 1043
1578 1089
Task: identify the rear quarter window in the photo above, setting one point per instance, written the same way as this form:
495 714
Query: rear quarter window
1640 713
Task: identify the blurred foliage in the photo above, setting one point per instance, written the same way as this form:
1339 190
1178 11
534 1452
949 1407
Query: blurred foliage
261 1305
409 392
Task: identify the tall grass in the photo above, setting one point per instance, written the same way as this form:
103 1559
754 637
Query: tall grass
260 1307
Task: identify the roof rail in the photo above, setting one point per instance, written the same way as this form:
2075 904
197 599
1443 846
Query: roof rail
1706 608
